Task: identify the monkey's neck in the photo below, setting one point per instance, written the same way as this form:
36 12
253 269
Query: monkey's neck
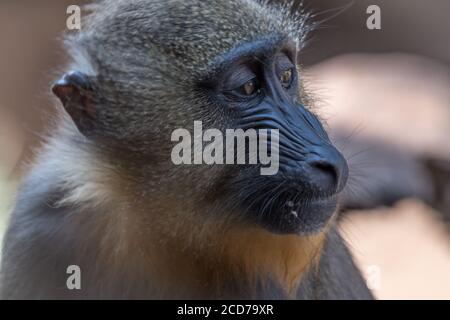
236 262
168 252
264 258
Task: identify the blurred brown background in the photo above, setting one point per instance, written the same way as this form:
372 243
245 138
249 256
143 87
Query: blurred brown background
390 85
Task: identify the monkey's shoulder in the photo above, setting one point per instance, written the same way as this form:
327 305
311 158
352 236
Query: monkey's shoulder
39 243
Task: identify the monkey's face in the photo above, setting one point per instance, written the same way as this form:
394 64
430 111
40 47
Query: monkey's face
230 64
257 86
253 86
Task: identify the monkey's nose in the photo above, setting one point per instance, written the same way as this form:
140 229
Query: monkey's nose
329 170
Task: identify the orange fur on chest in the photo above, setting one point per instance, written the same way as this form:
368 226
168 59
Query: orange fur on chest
286 258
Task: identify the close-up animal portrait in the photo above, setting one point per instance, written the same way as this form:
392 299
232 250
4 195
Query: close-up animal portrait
198 150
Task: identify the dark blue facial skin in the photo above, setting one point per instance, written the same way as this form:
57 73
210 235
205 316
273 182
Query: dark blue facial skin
258 85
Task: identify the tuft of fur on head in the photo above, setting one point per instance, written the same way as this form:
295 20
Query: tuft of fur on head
191 33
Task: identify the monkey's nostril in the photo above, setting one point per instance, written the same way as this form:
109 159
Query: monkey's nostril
324 176
326 168
329 171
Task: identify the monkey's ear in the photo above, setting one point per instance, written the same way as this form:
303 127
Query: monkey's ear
75 91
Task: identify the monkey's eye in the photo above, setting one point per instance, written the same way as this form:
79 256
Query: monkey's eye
287 78
241 83
249 88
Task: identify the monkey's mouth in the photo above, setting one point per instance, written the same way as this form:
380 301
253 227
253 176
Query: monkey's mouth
289 211
307 216
286 214
284 203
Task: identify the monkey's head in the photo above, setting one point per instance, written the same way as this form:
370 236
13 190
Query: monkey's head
145 68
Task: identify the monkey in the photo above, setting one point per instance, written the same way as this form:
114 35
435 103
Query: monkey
104 195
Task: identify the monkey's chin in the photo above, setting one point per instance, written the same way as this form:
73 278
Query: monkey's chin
301 218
